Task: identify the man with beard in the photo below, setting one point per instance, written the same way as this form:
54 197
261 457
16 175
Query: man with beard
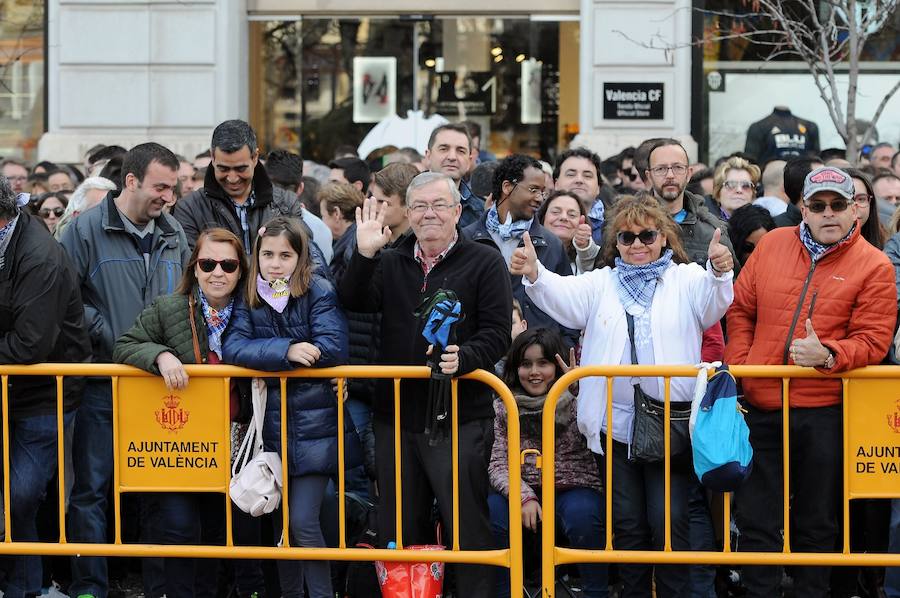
518 192
667 172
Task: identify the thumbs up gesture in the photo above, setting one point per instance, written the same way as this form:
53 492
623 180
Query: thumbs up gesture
582 234
809 351
524 260
719 256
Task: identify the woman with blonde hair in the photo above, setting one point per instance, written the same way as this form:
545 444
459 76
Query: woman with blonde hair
734 185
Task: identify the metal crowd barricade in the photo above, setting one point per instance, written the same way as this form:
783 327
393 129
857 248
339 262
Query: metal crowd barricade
870 394
172 414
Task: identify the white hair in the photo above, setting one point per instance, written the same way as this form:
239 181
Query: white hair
77 200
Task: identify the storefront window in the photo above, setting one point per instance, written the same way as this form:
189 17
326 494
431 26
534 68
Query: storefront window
21 77
501 73
744 82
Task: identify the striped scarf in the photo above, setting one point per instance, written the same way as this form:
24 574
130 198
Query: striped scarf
637 283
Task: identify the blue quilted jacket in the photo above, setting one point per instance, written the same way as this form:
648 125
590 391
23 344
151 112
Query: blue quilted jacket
259 339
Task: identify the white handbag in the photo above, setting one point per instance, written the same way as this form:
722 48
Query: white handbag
256 474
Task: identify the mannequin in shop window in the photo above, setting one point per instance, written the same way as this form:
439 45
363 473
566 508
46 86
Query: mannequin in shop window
782 135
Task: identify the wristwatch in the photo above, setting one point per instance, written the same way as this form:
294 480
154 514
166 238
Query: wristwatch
829 361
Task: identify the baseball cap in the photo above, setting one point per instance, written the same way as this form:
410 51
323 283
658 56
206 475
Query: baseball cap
828 178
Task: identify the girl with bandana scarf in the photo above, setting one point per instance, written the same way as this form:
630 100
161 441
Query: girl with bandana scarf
187 327
671 302
291 319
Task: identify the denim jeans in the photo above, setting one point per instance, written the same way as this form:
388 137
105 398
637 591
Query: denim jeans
579 513
305 494
33 459
190 518
703 538
892 574
93 460
638 505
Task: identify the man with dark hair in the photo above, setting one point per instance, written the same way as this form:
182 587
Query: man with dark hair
667 174
518 192
795 171
16 172
237 193
450 152
881 154
41 320
126 252
351 170
578 170
285 170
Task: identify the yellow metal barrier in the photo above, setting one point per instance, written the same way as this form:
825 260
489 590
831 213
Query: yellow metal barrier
870 394
215 380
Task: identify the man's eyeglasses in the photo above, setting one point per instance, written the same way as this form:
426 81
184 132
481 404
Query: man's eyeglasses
228 266
45 212
862 199
677 170
535 191
438 208
646 236
838 204
739 185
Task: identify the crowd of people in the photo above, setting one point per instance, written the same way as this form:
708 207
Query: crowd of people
146 258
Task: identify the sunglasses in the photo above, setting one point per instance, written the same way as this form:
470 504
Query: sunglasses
839 204
228 266
739 185
647 237
45 212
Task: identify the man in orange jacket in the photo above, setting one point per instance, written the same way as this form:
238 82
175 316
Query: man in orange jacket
815 295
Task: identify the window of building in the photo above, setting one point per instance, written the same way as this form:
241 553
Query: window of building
21 77
503 73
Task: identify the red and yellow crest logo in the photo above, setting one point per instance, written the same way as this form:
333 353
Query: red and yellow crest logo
893 419
172 417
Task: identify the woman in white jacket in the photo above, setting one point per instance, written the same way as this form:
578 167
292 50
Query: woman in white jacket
672 301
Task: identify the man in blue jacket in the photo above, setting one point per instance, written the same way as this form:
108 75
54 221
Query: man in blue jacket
126 252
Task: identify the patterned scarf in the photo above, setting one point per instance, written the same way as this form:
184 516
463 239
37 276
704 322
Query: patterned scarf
275 293
637 283
216 321
818 250
5 238
509 229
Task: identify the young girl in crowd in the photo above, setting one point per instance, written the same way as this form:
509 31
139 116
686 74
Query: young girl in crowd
291 319
533 365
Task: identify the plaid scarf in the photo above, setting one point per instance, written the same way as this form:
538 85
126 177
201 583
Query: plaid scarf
637 283
818 250
216 322
509 229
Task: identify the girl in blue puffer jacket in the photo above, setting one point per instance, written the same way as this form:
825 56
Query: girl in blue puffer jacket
291 318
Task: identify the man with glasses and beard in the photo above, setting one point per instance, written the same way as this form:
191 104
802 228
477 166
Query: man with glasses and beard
817 295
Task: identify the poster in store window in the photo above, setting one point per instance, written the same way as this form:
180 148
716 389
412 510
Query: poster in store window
374 88
531 91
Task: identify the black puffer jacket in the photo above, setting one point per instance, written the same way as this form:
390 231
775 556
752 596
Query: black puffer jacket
41 317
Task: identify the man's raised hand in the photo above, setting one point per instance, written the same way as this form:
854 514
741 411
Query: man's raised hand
371 233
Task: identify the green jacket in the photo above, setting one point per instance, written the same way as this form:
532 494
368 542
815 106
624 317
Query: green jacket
163 326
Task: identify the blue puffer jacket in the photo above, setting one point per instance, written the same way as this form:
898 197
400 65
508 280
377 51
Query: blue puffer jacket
259 338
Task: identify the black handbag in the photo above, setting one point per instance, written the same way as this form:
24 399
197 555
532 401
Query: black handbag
647 440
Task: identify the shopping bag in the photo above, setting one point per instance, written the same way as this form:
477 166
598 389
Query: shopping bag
411 580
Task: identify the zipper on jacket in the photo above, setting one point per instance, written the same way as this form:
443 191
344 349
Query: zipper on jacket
790 335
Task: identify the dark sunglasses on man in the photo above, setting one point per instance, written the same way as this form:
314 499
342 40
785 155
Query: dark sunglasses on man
838 204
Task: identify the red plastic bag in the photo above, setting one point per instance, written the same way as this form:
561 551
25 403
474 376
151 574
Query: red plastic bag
411 580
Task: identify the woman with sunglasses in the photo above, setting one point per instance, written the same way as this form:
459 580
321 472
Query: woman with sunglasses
187 327
50 207
657 297
734 185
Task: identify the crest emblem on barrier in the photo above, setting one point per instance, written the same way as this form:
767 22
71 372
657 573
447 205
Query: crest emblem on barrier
893 419
172 417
